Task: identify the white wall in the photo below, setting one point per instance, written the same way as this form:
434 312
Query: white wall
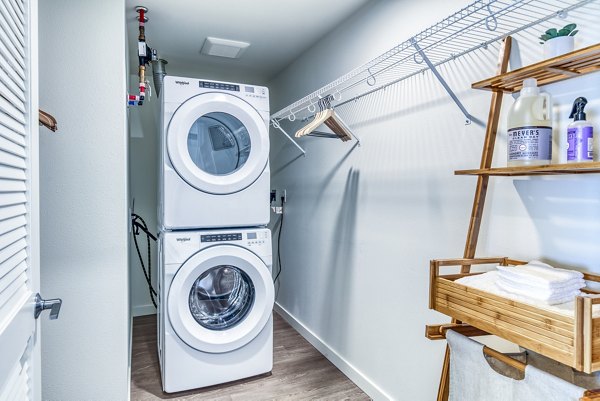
362 223
143 184
84 220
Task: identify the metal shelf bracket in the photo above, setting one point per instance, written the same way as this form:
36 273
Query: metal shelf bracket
439 77
276 124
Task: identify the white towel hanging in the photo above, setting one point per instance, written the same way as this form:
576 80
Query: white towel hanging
472 378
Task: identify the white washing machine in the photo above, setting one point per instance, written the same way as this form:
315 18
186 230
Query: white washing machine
215 305
214 155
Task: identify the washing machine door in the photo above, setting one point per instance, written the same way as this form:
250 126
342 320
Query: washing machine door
218 143
220 299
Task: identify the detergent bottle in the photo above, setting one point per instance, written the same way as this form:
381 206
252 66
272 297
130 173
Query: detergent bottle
530 127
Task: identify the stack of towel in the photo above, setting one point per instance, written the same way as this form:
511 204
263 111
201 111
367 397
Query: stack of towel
539 281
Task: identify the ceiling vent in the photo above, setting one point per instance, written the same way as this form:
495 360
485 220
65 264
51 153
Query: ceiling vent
224 47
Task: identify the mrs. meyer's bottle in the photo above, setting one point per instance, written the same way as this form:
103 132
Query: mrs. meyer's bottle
530 127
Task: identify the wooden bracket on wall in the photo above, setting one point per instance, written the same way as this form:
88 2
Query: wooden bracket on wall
438 331
591 395
48 121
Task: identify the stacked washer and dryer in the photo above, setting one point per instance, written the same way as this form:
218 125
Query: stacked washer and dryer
215 291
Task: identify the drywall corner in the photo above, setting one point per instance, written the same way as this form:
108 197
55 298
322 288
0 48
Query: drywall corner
83 199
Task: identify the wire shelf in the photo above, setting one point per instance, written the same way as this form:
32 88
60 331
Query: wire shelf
478 25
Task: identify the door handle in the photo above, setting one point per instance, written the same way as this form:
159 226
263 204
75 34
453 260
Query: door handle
43 304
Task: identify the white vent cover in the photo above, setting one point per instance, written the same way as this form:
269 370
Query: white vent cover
224 47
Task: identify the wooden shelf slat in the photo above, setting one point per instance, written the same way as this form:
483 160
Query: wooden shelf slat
548 169
574 64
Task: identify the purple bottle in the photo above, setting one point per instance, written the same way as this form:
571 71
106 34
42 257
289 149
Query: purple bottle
580 135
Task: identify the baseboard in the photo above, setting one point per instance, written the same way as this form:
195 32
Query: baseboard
143 310
346 367
129 357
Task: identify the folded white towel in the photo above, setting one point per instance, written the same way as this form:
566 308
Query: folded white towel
543 291
540 274
488 282
557 297
524 278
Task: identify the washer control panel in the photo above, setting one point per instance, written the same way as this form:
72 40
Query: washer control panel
178 246
221 237
256 238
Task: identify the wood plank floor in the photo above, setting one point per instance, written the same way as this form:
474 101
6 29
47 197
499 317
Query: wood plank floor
300 372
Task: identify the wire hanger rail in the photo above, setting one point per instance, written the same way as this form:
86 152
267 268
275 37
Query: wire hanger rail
476 26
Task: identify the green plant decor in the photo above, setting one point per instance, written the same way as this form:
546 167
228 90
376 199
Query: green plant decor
568 30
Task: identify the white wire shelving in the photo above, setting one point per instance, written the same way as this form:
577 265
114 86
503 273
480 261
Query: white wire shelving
476 26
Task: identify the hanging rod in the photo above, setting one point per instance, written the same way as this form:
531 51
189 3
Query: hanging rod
476 26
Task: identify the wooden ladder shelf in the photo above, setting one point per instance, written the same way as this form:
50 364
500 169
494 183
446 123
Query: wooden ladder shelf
560 68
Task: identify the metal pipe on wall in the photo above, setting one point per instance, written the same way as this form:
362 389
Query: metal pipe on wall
159 70
142 51
145 56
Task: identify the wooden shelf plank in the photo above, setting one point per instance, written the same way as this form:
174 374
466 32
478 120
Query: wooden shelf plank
548 169
574 64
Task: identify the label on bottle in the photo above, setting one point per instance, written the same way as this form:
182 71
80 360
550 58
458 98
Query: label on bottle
580 144
530 143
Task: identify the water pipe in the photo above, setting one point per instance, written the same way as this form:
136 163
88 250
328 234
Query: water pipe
144 55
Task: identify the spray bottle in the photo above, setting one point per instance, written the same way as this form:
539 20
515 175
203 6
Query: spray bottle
530 127
580 135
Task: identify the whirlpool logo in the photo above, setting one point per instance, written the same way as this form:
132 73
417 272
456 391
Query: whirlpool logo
183 239
182 82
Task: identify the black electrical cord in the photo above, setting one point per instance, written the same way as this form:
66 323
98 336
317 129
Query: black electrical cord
279 241
135 232
147 273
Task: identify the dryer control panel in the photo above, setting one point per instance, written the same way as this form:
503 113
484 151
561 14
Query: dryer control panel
219 85
178 90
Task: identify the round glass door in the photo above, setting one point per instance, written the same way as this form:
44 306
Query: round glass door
218 143
221 297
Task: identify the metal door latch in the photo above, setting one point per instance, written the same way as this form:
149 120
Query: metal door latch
43 304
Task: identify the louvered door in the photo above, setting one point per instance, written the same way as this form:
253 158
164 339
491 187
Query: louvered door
19 249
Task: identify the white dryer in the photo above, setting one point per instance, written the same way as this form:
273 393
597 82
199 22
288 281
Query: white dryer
214 155
216 297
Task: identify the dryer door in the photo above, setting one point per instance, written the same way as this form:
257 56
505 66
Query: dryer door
218 143
220 299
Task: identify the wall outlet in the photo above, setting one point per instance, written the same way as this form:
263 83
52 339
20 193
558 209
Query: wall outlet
278 195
